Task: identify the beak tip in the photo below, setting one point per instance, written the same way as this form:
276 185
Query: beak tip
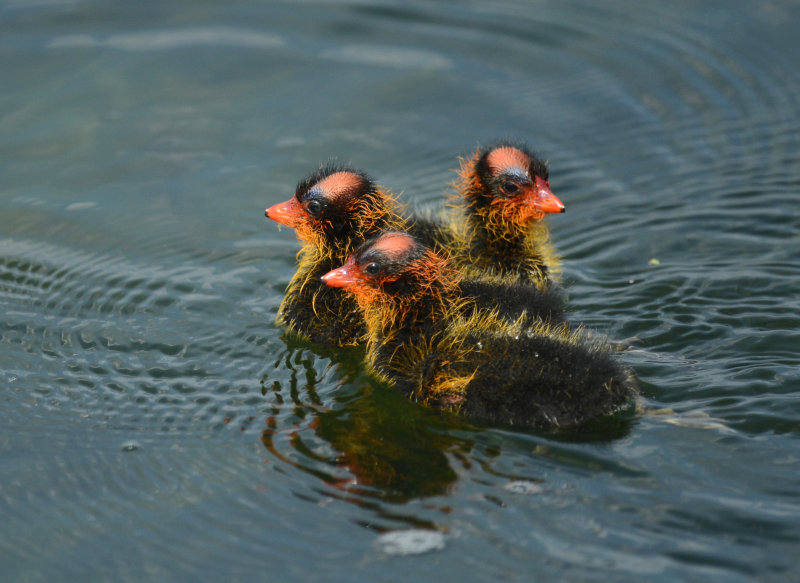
329 278
339 277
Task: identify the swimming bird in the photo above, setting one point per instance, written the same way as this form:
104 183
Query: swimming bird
441 349
333 210
497 232
337 208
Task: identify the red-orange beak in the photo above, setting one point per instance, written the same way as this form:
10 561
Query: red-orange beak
287 213
545 200
345 276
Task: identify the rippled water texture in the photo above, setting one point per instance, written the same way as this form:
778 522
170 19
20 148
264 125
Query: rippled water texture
158 426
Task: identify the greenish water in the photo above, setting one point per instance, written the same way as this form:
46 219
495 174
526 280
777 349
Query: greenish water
157 426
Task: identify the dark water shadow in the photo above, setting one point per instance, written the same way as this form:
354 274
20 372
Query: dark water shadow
370 446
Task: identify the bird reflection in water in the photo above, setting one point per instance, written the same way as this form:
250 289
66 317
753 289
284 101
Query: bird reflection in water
367 442
372 447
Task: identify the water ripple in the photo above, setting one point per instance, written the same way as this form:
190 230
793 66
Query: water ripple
157 421
172 39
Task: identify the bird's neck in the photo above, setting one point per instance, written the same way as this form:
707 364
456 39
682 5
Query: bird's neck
334 244
410 317
371 215
506 248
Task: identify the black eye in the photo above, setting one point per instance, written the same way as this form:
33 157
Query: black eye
509 187
314 206
372 268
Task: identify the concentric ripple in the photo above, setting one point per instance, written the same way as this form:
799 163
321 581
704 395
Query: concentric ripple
159 426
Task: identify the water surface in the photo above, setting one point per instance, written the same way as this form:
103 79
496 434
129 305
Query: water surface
158 426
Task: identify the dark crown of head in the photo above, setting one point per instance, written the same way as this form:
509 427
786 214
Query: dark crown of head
538 166
328 169
394 262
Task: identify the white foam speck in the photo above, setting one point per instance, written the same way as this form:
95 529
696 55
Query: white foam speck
523 487
79 206
410 542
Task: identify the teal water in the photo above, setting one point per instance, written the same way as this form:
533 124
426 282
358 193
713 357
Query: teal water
157 426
